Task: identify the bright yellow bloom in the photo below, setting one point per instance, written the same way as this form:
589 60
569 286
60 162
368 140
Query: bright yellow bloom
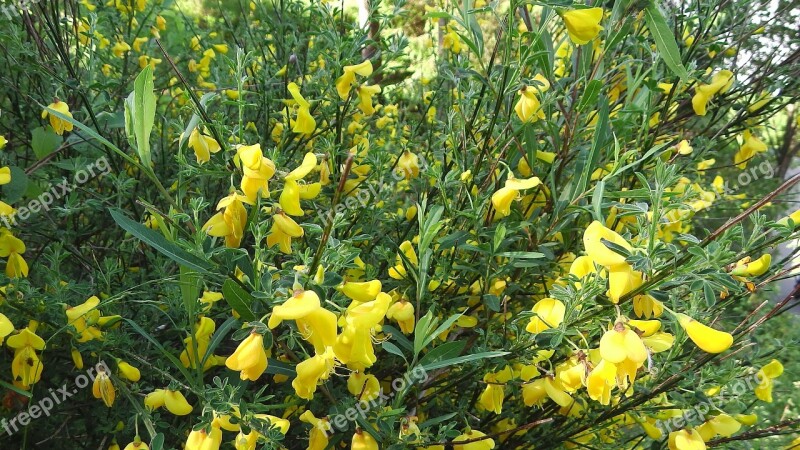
103 388
250 358
753 268
59 125
84 317
202 145
683 148
403 313
751 146
311 371
502 199
398 272
283 229
549 313
704 93
301 304
620 344
361 292
137 444
528 108
363 441
688 439
348 78
583 25
482 444
601 381
257 171
707 338
229 223
174 401
365 94
204 440
363 386
409 165
128 372
765 375
3 141
318 435
305 123
354 345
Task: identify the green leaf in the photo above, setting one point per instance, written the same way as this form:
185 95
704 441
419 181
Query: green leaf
13 191
159 242
218 337
140 114
448 350
238 299
665 40
589 97
44 141
157 443
462 360
597 200
168 355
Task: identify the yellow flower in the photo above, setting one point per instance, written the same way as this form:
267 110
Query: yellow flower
528 108
318 436
250 358
765 375
135 445
26 367
229 223
365 94
202 145
707 338
284 228
704 93
409 165
549 313
601 381
751 146
479 444
363 386
84 317
257 171
161 23
583 25
398 272
753 268
305 123
361 292
174 401
683 148
103 388
348 78
120 48
59 125
301 304
403 313
311 371
3 141
354 345
204 440
598 251
128 372
363 441
502 199
620 344
688 439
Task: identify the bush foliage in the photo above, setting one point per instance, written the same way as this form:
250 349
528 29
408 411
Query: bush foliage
397 224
